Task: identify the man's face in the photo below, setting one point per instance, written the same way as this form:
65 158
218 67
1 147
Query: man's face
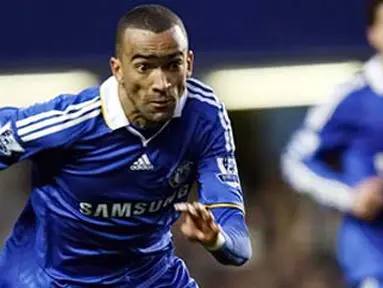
153 68
375 32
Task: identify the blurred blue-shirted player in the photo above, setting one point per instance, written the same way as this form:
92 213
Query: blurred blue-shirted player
113 166
349 127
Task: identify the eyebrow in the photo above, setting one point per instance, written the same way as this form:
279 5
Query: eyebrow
151 56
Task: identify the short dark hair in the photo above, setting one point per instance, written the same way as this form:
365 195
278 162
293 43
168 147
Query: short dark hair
372 9
152 17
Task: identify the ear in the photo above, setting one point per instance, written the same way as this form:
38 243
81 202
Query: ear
190 63
116 68
370 36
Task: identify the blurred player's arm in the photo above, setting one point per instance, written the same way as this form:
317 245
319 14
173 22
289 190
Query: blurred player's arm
327 131
218 220
25 132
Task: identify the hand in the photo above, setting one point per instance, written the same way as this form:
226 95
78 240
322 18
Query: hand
199 224
369 198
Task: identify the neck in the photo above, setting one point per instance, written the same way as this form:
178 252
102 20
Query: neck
132 113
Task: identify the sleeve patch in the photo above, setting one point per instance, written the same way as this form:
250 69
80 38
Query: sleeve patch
228 171
8 142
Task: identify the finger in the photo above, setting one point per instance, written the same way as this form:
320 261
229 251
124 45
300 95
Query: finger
215 228
200 235
207 215
194 212
210 217
187 231
189 209
197 224
198 209
198 216
202 211
207 222
186 207
192 233
181 207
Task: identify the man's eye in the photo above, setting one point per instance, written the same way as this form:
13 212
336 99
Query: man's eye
175 65
143 67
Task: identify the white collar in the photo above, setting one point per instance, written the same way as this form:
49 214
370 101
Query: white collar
373 71
112 110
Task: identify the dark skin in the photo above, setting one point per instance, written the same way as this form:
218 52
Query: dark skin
151 70
375 32
199 224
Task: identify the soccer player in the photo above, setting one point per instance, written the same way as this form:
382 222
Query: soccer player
113 166
348 128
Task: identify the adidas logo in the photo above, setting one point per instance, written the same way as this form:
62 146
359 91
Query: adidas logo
143 163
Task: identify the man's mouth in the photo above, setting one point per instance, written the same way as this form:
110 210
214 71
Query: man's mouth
162 103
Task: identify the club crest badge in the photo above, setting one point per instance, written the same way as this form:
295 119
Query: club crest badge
181 174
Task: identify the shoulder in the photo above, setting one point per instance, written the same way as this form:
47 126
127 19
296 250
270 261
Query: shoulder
64 104
59 114
203 102
80 100
344 102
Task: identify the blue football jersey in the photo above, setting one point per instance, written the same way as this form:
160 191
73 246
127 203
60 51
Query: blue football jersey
101 205
348 127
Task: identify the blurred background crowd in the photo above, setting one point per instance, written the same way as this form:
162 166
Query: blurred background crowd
267 60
